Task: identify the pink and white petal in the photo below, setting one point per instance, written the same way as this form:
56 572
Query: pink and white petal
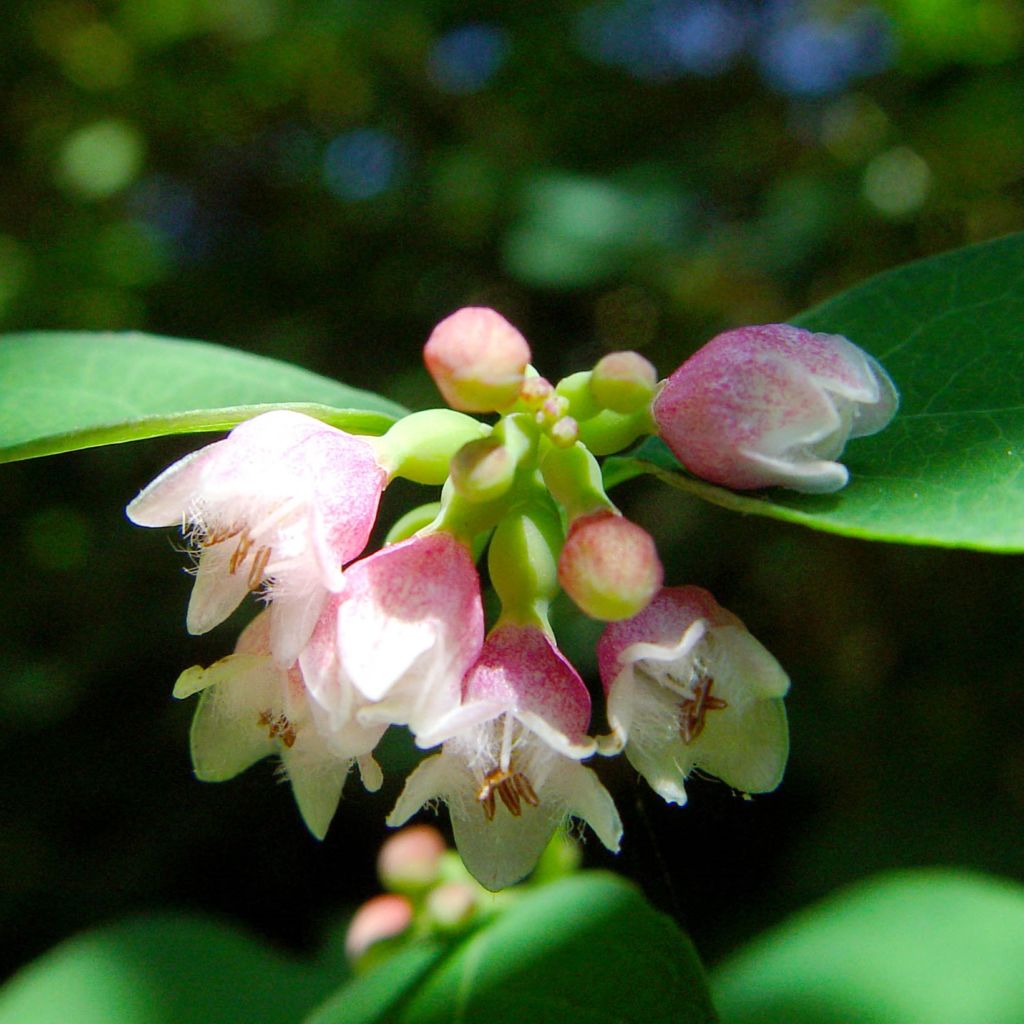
460 719
520 667
293 616
816 476
870 418
168 500
317 783
415 604
217 592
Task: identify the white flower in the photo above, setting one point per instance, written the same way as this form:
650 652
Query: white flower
510 772
283 501
689 687
250 708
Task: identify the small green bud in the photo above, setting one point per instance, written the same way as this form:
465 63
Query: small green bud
420 446
523 558
624 382
483 470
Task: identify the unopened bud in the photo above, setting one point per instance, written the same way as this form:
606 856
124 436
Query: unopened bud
483 470
609 566
451 906
410 860
382 917
564 432
477 359
623 382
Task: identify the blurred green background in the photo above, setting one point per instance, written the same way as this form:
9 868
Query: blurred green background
323 180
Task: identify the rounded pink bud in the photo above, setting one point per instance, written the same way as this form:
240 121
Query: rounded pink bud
623 382
379 918
609 566
451 906
410 860
773 405
478 360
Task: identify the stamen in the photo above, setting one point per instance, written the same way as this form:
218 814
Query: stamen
223 534
693 711
511 787
240 552
259 568
526 790
278 727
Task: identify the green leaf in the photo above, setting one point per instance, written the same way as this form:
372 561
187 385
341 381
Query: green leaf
70 390
584 950
921 947
949 470
164 970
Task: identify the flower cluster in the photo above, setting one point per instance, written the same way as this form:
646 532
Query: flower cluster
350 644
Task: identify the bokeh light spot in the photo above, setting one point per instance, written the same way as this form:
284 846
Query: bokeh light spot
896 182
102 158
463 60
95 57
363 163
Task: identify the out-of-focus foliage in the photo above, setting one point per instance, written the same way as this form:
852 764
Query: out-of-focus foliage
323 180
925 947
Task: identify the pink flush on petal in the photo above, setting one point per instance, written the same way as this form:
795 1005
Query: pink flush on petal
773 405
510 768
522 671
283 500
409 623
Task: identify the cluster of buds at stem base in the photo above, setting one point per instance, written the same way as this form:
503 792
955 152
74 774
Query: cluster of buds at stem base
352 643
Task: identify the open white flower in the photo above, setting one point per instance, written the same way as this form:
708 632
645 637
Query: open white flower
510 771
689 687
283 502
250 708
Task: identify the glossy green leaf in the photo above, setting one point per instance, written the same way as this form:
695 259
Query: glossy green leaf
165 970
922 947
587 950
949 470
64 391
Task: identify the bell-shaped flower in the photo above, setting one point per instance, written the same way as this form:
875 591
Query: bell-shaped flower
281 504
773 405
405 629
250 708
689 687
510 769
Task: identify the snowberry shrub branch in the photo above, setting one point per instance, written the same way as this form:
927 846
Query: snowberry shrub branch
350 644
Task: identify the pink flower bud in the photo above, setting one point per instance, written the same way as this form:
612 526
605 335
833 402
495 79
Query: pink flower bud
609 566
773 405
451 906
379 918
477 359
623 382
410 860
